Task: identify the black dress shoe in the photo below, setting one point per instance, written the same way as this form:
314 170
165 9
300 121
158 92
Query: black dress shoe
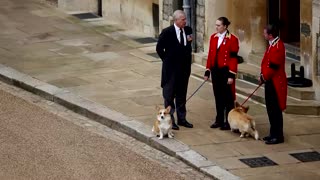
185 123
174 126
225 127
267 138
215 125
274 141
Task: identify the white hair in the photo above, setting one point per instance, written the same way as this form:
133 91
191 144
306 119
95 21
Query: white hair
177 14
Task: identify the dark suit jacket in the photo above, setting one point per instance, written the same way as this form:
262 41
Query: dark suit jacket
175 57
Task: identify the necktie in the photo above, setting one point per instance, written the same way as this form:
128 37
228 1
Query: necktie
181 37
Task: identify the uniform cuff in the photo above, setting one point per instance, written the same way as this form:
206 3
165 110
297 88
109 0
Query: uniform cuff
207 73
231 75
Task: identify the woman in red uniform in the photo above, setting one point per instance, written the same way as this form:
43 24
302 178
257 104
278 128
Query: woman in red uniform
222 63
274 76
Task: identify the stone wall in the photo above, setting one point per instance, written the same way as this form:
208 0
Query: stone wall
138 14
306 36
200 25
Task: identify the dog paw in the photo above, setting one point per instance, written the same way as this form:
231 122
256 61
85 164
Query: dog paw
160 137
241 135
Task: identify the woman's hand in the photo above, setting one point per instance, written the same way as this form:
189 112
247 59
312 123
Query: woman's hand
230 81
206 75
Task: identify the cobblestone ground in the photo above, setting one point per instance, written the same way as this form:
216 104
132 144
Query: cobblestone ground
164 160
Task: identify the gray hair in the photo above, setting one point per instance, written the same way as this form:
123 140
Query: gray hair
177 14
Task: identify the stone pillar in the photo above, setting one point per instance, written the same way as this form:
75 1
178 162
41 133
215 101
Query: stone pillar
248 25
306 37
258 21
316 45
167 13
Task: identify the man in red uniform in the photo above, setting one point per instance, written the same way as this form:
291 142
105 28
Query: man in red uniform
274 76
223 64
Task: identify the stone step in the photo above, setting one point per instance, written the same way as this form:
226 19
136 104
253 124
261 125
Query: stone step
255 59
250 73
292 52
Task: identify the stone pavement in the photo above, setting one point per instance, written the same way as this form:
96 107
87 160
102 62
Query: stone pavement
100 70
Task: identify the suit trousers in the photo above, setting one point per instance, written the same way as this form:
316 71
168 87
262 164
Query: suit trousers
273 110
222 93
174 94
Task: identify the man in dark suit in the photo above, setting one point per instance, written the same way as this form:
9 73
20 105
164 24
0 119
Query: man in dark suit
174 49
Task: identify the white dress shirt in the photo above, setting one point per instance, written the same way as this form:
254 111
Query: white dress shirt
178 34
221 37
270 42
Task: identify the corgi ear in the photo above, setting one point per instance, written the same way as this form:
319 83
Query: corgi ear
158 107
236 104
246 108
168 109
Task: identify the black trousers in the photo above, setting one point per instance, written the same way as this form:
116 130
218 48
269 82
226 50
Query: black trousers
222 93
175 93
273 110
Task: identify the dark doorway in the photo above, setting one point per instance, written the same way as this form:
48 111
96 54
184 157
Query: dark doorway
155 18
290 15
99 8
273 11
279 11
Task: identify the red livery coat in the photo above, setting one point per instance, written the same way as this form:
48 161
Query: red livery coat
273 68
227 54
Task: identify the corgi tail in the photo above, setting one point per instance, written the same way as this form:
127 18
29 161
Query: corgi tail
256 134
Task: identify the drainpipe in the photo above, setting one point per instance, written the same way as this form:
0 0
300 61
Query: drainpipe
186 8
189 9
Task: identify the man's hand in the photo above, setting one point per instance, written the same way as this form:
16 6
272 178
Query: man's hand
230 81
261 80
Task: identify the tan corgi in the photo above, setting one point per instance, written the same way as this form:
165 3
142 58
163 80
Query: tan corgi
240 120
163 124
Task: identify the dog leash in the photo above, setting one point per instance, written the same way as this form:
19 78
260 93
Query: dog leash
251 94
192 94
196 91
